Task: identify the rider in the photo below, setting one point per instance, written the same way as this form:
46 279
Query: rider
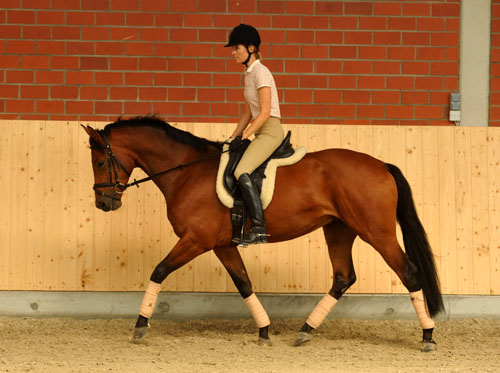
261 117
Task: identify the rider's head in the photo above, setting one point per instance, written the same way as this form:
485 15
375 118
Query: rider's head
245 41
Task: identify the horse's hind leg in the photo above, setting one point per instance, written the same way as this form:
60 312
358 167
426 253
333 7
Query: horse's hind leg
408 273
339 239
231 260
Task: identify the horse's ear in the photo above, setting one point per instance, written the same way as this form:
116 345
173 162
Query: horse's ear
93 134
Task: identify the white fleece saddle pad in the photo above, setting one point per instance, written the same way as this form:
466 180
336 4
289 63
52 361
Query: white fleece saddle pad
267 183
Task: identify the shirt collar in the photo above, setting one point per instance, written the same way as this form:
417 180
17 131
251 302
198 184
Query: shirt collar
251 67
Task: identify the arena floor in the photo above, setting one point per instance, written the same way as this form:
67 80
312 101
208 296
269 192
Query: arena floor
75 345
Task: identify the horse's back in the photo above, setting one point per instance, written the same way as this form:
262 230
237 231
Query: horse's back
334 183
338 164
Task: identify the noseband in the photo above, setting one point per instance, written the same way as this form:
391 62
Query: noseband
113 163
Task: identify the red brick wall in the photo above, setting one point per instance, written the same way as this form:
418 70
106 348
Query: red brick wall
352 62
495 65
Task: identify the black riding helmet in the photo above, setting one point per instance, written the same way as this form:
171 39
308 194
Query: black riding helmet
246 35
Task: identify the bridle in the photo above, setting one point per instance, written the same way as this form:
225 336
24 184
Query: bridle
113 163
118 187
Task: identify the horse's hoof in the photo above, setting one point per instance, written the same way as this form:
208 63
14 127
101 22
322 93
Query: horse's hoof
428 346
139 334
264 342
302 338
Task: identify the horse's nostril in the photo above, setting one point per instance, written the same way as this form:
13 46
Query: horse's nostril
102 206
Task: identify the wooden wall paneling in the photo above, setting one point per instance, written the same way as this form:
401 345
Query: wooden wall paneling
118 244
101 251
6 193
19 206
36 199
463 192
135 234
480 262
447 209
85 219
284 269
430 190
268 267
62 242
493 143
53 205
69 205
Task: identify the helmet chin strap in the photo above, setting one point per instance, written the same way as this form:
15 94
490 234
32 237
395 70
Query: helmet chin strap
248 58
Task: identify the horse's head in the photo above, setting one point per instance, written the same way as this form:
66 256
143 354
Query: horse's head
110 170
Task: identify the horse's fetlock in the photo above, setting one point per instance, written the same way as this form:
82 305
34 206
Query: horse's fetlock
306 328
427 335
341 283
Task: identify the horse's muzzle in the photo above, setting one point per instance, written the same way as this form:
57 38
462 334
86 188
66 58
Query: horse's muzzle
108 204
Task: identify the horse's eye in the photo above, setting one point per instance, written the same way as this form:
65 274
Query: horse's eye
100 164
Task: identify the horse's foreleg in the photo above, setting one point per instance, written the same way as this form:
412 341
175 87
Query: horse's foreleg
339 239
183 252
231 260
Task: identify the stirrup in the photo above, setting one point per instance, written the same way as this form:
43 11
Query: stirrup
254 238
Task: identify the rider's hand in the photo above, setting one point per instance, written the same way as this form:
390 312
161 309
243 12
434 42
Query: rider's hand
235 144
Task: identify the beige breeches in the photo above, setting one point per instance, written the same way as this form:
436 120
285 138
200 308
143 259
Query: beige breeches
267 139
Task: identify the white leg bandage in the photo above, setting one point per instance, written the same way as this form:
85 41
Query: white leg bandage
322 309
258 312
417 298
149 300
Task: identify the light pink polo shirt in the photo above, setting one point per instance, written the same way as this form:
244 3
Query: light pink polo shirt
258 76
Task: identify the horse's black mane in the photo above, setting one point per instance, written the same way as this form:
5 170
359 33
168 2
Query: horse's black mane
173 133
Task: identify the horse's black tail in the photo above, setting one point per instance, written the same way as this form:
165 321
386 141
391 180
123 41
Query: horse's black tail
416 243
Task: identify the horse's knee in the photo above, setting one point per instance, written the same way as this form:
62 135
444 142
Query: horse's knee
411 276
341 283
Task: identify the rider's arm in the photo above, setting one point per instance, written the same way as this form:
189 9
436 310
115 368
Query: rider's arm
265 111
244 120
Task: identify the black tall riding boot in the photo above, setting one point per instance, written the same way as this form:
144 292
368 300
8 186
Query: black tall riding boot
257 232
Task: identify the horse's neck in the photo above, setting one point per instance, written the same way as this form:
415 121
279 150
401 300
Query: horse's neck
157 153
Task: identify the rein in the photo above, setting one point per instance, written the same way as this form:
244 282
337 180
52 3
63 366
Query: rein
179 167
119 188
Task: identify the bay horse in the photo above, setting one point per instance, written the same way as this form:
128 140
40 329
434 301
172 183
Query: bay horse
346 193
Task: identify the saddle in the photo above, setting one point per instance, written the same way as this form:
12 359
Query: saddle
283 151
263 178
